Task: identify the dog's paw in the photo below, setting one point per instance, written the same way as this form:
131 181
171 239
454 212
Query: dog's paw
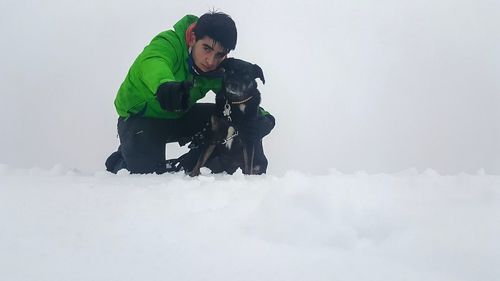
194 173
257 170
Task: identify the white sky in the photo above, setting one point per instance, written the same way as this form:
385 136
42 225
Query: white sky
379 86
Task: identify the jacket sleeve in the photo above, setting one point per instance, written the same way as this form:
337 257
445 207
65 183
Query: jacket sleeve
263 112
266 123
158 63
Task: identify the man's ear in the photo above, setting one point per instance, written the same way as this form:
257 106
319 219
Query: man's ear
257 73
191 39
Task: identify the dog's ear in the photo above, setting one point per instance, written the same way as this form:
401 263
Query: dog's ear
257 73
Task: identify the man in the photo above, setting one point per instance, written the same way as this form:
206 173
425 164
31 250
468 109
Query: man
156 103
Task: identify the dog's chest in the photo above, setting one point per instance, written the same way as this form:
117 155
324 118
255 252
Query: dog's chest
242 107
239 112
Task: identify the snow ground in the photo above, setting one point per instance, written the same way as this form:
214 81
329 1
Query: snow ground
61 224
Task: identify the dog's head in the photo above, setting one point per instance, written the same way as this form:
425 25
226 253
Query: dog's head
239 78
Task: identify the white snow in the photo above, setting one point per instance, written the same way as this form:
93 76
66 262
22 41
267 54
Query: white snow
62 224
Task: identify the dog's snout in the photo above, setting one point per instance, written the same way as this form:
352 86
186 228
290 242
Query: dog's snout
234 89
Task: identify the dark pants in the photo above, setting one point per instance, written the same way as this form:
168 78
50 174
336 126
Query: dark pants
143 140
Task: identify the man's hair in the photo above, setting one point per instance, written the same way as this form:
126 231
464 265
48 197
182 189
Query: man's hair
218 26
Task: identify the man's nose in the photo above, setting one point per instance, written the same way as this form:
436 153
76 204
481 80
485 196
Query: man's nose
210 60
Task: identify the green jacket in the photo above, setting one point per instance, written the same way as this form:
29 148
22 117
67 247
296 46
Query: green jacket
164 59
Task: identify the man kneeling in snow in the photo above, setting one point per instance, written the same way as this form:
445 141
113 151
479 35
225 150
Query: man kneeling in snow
156 103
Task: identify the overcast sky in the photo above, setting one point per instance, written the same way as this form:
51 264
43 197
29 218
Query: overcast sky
379 86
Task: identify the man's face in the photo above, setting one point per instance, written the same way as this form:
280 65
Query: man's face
207 53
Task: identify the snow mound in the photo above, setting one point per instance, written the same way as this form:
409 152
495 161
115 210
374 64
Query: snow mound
63 224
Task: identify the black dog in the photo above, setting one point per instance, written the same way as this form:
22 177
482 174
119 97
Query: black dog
237 103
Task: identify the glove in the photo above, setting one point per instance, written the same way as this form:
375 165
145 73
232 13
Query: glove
254 130
174 96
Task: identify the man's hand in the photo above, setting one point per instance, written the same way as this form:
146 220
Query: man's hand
174 96
254 130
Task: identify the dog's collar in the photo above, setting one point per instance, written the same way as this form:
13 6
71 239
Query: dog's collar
243 101
227 108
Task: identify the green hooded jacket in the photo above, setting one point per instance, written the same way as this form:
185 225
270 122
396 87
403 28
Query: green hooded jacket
164 59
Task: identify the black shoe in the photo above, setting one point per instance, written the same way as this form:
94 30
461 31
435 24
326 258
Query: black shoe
115 162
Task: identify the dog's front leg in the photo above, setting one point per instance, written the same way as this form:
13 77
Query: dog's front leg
248 155
202 160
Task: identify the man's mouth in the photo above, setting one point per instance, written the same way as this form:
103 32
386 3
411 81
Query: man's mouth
205 68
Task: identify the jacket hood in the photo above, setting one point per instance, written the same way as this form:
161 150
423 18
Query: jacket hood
182 25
